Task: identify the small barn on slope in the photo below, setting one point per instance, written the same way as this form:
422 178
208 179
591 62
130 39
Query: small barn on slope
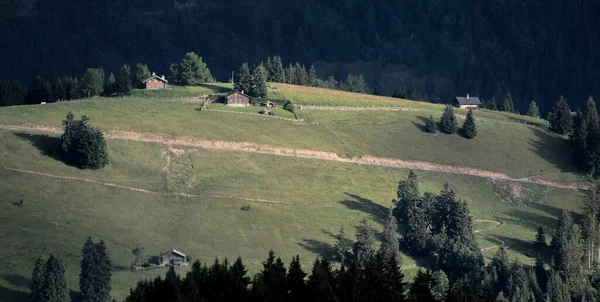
237 99
466 102
156 82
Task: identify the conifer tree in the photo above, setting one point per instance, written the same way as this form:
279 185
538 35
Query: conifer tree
294 281
258 82
500 266
41 91
123 81
191 70
568 251
492 105
321 282
95 276
408 192
540 273
11 93
92 82
431 125
558 290
534 110
278 70
312 76
83 143
237 274
140 74
416 235
342 249
508 104
243 81
421 288
37 281
560 117
389 245
469 129
109 85
365 241
448 120
540 238
269 284
441 285
54 287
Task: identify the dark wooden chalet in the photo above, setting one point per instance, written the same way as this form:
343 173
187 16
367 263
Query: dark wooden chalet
466 102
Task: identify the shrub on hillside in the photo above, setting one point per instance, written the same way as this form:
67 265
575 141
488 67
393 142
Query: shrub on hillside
469 129
84 144
448 120
289 106
431 125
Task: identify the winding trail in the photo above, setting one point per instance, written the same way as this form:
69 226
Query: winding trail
300 153
139 190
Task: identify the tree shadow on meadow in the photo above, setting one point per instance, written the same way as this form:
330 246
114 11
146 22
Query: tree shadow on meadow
378 212
323 249
554 149
9 294
47 145
422 125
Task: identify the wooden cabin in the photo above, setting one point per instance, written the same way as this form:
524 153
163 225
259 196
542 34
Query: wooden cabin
467 102
173 257
156 82
237 99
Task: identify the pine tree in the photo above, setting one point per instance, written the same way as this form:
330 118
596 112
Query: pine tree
92 83
441 285
37 281
278 70
508 104
258 82
312 76
140 74
469 129
54 287
294 281
421 288
243 79
239 280
269 284
431 125
580 138
540 273
86 277
342 250
123 81
448 120
558 290
492 105
500 266
389 245
568 251
95 276
560 117
416 235
191 71
109 86
365 240
534 110
321 282
540 238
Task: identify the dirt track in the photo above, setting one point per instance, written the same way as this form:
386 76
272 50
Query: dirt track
302 153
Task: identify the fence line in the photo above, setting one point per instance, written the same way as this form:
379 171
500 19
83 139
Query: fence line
254 114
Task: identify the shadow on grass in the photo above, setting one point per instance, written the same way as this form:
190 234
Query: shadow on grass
423 125
377 211
524 247
556 150
529 220
9 294
47 145
215 88
320 248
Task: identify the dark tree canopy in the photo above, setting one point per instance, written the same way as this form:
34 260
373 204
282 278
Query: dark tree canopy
190 71
84 144
448 120
560 117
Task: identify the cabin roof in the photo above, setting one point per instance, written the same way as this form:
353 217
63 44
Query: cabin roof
468 100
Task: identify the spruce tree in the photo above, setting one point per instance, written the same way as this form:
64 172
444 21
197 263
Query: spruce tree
568 251
540 273
269 284
54 287
469 129
534 110
501 269
84 144
508 104
92 82
258 82
389 245
243 79
448 120
41 92
239 280
312 76
294 281
37 281
441 285
421 288
321 282
416 235
365 241
140 74
109 85
342 249
492 105
190 71
560 117
278 70
558 290
123 81
540 238
431 125
95 276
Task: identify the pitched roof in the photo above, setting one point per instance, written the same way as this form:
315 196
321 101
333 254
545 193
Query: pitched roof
174 251
473 100
237 92
154 76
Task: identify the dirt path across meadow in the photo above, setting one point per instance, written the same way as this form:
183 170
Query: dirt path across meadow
292 152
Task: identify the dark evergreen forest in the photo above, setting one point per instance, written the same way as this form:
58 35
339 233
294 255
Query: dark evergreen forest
534 49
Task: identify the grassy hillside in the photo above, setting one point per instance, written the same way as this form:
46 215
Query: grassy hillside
297 204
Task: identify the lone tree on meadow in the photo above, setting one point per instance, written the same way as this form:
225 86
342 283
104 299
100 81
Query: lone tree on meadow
448 120
560 117
431 125
190 71
469 129
84 144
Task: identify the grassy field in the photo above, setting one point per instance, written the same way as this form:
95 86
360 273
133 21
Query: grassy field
501 146
310 201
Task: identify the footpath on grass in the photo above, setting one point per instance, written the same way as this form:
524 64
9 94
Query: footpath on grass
301 153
